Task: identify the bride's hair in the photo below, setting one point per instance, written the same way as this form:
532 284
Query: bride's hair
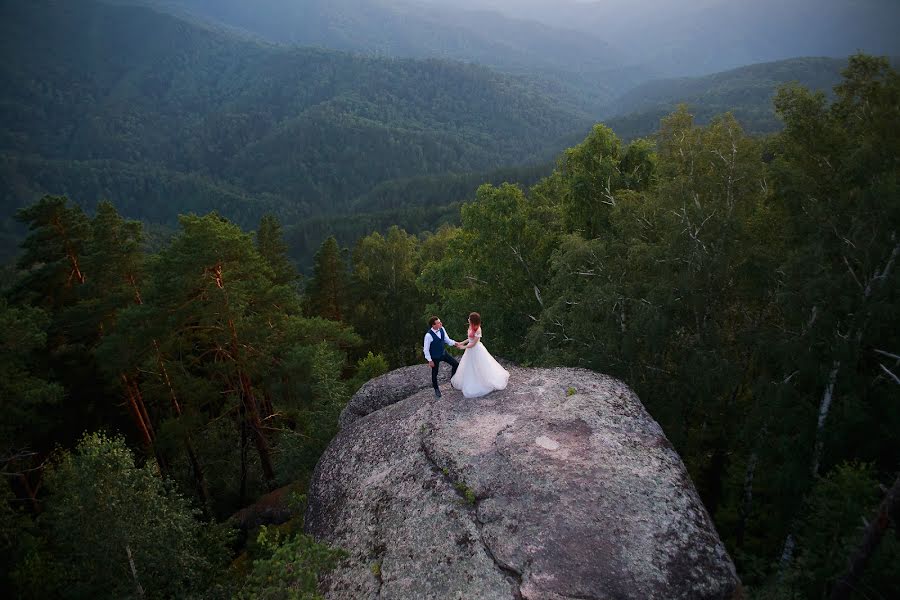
474 322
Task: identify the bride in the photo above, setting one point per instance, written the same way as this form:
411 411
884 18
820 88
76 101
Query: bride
478 373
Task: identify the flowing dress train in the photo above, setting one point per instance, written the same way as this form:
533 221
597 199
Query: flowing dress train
479 373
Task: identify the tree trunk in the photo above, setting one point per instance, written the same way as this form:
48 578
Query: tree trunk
266 405
137 414
248 400
824 406
76 272
747 498
134 575
252 412
199 477
30 492
252 416
243 489
888 511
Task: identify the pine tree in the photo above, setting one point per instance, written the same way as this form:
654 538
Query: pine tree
271 245
218 310
326 293
53 252
384 294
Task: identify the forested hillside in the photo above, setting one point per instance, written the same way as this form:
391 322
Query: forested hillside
746 288
746 92
166 117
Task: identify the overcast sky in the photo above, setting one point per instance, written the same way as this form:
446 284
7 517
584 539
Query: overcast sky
769 29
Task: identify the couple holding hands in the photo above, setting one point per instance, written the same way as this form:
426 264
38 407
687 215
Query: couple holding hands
477 373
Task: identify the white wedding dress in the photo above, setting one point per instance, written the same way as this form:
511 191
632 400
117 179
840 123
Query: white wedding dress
478 373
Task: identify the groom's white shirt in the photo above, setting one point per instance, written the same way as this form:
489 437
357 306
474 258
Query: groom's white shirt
428 340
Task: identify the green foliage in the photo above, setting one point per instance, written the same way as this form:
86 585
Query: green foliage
836 169
494 264
20 546
201 341
101 504
384 294
830 530
328 388
290 568
26 398
52 252
467 492
369 367
271 246
326 292
593 171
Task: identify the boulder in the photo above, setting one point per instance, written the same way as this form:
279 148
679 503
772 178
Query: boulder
560 486
389 388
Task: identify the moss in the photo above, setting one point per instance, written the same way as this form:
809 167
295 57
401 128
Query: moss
467 492
571 391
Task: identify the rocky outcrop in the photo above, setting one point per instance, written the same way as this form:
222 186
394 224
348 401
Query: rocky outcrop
560 486
389 388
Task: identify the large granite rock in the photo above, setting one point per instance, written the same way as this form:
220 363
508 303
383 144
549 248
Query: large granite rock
560 486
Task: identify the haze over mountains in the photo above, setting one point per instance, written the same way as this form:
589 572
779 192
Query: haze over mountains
585 53
625 40
697 37
582 62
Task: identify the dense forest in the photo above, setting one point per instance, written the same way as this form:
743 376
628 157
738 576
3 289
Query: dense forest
746 287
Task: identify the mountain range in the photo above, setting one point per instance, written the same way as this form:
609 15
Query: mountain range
164 115
747 92
586 68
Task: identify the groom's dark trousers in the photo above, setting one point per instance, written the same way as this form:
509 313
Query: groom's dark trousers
437 365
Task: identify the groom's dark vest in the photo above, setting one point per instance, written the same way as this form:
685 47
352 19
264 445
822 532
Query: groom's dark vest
437 343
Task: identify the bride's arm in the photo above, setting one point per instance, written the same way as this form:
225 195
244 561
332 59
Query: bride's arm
468 343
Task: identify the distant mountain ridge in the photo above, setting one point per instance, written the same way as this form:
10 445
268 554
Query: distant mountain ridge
408 28
747 92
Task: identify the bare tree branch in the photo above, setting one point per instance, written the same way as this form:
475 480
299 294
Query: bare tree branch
888 354
889 372
853 273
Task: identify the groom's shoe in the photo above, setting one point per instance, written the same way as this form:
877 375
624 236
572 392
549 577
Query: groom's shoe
437 393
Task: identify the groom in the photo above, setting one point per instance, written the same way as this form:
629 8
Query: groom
435 340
